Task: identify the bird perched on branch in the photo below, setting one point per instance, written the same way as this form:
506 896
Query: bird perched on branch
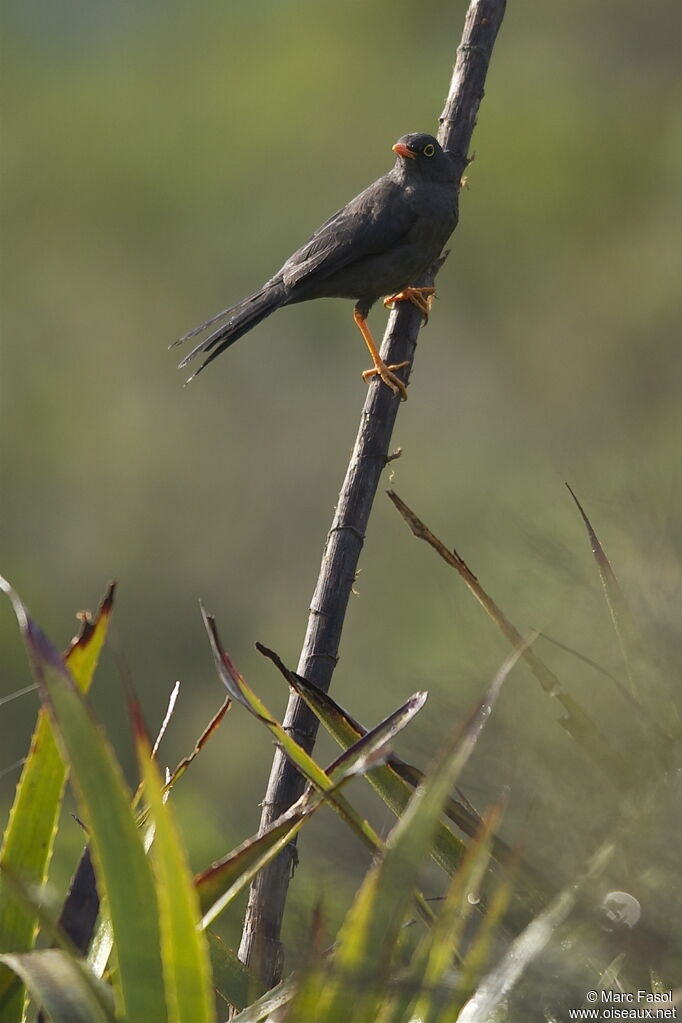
378 245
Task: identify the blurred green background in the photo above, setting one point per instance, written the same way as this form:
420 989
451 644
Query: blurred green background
160 160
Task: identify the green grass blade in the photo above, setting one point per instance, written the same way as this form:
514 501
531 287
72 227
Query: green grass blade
184 949
29 836
45 904
500 981
243 694
101 947
445 936
370 931
124 873
615 600
637 660
58 983
221 883
479 951
270 1002
102 943
394 781
231 978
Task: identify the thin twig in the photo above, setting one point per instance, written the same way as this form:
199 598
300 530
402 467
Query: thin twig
260 946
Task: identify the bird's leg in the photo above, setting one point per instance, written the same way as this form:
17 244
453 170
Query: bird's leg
421 297
380 368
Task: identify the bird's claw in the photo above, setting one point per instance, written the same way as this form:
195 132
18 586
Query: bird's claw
388 376
421 297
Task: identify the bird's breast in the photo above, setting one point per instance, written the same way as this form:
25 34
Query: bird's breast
435 210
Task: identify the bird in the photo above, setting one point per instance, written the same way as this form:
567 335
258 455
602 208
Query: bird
378 245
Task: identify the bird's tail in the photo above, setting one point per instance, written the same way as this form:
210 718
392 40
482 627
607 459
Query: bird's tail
242 317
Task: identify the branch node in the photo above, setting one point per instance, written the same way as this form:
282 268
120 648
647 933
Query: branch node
347 527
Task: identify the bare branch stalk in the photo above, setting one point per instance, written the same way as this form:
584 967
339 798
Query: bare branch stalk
260 946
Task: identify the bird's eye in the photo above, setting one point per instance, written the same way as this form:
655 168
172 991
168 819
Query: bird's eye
428 149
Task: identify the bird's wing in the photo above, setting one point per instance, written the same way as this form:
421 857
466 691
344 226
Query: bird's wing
374 222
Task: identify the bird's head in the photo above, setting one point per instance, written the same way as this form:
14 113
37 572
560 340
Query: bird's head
420 155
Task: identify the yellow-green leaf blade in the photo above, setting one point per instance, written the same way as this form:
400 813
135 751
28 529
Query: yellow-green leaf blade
231 977
58 982
29 836
323 782
391 785
184 948
368 934
124 874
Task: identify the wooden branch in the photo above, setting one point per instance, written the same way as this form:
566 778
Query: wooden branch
260 946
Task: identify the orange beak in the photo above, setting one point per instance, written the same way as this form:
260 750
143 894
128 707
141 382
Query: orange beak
402 150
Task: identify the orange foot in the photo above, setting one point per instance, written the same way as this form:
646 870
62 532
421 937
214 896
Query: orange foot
380 369
421 297
388 376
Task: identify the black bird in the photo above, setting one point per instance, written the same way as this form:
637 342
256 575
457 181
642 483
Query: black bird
377 245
